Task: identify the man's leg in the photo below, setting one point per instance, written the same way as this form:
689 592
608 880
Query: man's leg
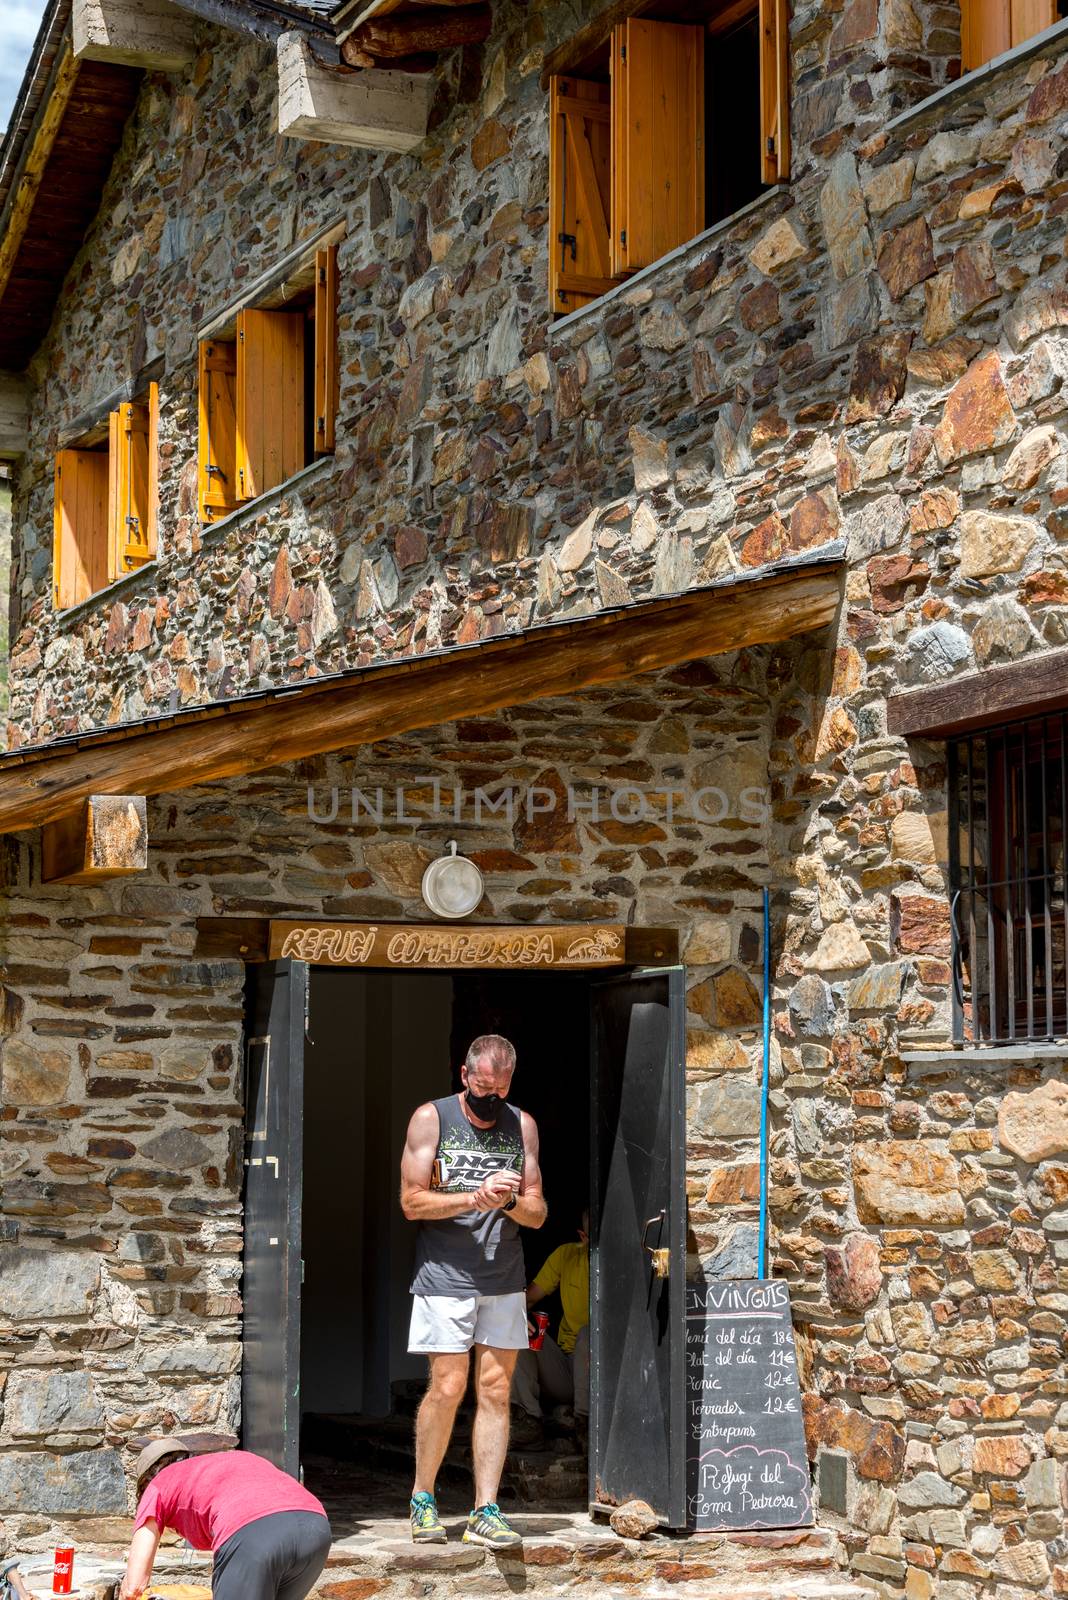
437 1413
580 1366
525 1385
489 1440
554 1373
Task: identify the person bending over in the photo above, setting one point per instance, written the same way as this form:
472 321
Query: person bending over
269 1536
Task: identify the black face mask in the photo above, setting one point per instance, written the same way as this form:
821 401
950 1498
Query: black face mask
483 1106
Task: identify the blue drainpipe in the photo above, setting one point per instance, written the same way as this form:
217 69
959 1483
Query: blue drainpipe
762 1237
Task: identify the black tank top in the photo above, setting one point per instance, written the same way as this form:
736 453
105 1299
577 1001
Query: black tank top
478 1252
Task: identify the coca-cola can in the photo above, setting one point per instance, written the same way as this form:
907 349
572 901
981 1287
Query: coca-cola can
63 1571
541 1324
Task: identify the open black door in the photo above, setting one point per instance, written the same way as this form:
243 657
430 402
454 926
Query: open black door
276 1008
638 1254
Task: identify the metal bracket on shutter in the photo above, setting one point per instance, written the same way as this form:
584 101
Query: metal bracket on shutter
571 240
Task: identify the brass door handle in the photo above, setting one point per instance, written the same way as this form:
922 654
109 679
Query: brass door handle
661 1258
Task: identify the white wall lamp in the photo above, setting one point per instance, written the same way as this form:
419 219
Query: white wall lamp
452 885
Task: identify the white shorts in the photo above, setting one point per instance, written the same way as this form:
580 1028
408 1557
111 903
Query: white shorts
449 1324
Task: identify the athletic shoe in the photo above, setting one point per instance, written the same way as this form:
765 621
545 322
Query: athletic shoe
486 1526
427 1526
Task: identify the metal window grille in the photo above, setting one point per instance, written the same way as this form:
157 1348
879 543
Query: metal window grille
1008 822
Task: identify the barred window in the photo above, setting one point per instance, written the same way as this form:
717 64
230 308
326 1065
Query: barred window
1008 795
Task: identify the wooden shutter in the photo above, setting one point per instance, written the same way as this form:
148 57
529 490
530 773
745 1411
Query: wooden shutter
129 505
270 399
658 141
79 526
217 453
326 352
774 91
153 469
579 192
985 31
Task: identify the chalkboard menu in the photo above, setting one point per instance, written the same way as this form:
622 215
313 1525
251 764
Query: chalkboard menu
747 1466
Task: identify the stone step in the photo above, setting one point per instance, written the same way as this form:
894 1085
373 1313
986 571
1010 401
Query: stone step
562 1553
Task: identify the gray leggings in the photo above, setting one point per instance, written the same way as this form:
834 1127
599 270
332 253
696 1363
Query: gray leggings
274 1558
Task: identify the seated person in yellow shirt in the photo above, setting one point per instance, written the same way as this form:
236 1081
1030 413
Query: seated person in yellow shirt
559 1373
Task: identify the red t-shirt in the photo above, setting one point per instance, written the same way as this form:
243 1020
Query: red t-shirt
207 1498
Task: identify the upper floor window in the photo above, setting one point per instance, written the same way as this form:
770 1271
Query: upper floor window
661 130
268 388
990 27
1008 827
106 501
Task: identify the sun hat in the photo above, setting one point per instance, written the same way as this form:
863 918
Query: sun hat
155 1451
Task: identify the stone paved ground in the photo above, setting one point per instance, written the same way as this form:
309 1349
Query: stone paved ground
561 1552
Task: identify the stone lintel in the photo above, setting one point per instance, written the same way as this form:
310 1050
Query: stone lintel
106 838
374 110
133 33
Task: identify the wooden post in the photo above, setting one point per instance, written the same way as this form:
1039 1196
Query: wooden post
106 838
14 415
374 110
133 33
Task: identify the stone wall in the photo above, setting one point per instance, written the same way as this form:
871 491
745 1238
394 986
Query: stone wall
856 353
122 1057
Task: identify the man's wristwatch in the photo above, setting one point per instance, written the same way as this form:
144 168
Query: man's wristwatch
509 1205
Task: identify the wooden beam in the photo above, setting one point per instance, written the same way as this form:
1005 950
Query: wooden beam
134 33
106 837
248 939
383 702
372 110
14 415
34 163
414 32
1031 687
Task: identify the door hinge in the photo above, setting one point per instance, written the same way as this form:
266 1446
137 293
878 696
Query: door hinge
623 238
623 52
571 240
771 144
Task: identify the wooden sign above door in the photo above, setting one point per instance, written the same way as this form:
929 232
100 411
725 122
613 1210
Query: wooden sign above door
418 945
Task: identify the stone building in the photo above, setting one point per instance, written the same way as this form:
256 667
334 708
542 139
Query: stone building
369 496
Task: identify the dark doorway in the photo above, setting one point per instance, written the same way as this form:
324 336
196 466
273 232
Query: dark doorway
379 1044
337 1059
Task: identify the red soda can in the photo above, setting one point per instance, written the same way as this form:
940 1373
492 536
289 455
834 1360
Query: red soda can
541 1322
63 1571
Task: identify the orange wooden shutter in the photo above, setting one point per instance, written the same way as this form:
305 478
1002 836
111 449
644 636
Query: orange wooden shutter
985 31
128 494
1030 17
326 352
217 452
270 399
153 469
774 90
658 140
579 192
79 526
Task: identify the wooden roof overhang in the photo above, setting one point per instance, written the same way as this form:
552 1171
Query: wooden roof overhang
41 783
54 192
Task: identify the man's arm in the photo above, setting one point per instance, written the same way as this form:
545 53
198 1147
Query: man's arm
530 1209
140 1561
419 1202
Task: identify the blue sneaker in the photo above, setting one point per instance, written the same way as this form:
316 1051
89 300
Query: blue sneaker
487 1526
427 1526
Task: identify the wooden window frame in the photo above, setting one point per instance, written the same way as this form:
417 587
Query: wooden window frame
105 521
260 368
567 76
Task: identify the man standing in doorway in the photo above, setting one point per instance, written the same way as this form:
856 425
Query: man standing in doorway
469 1175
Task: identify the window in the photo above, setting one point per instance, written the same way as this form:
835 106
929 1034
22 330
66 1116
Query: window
661 130
268 388
106 502
1008 826
990 27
